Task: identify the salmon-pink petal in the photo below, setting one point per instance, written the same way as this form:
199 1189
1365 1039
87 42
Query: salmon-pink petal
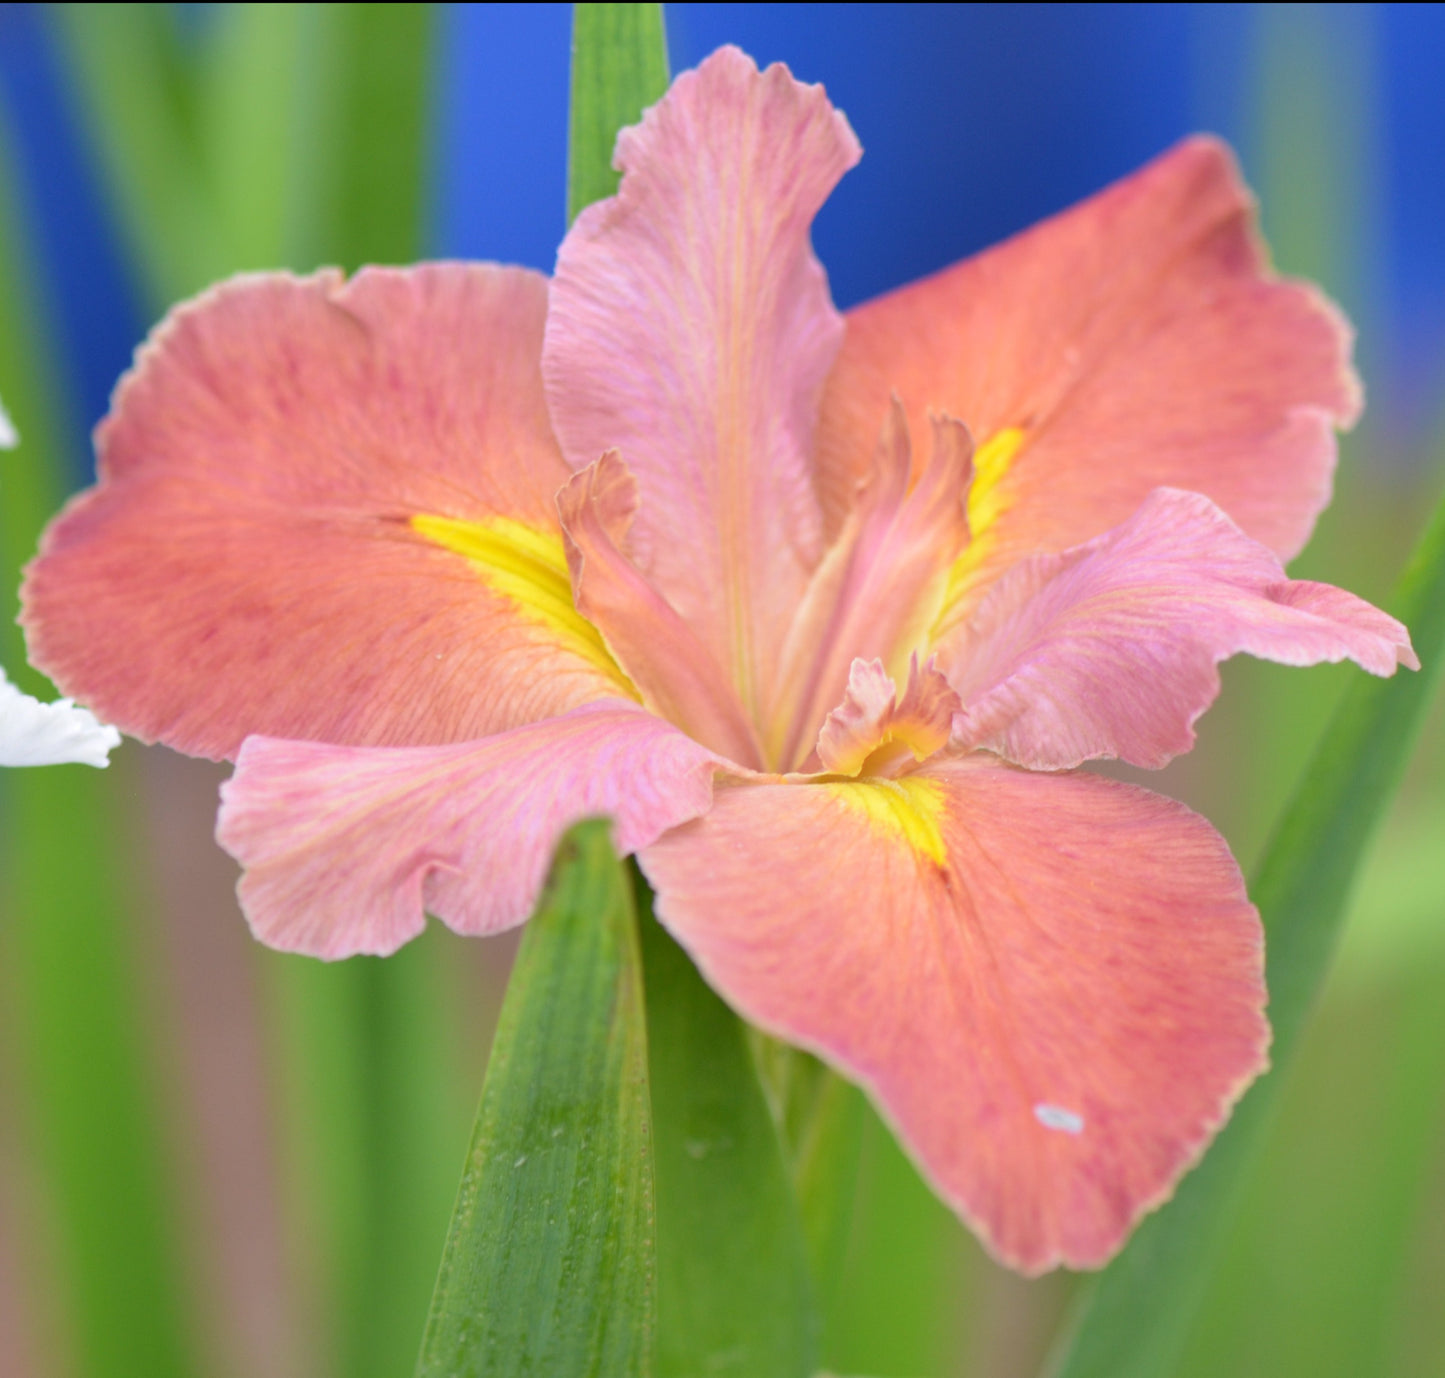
881 585
1136 341
1052 984
255 557
872 727
676 673
692 329
1110 649
347 849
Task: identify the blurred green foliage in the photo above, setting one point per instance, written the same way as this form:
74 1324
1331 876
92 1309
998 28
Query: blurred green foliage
75 1026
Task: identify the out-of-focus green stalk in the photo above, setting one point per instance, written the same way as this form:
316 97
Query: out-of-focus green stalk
821 1119
1323 1271
291 136
264 108
77 1009
378 198
898 1287
140 99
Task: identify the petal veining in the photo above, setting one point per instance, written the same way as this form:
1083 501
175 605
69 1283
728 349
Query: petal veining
296 484
690 327
530 568
1052 984
347 849
1110 649
676 673
1140 341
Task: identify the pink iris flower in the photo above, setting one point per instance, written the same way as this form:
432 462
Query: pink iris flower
823 610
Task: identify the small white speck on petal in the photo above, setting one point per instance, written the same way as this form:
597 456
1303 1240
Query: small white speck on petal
1056 1117
50 734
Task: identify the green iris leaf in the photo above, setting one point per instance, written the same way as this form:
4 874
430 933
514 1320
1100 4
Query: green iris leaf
619 68
734 1292
549 1267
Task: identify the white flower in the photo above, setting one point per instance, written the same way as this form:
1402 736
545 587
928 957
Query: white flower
50 734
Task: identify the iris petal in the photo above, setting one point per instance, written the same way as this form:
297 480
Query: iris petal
977 944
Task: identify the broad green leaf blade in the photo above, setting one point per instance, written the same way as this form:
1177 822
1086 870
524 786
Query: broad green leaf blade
73 991
619 68
1136 1316
734 1295
549 1267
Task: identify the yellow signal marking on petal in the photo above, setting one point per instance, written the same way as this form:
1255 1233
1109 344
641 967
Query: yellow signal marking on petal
530 568
986 504
908 808
990 463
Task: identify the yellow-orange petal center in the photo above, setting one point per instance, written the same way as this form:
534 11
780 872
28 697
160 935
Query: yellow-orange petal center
909 808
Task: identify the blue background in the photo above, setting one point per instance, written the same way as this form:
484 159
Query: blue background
975 121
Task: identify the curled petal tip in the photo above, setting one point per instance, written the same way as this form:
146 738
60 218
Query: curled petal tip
1110 649
857 735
